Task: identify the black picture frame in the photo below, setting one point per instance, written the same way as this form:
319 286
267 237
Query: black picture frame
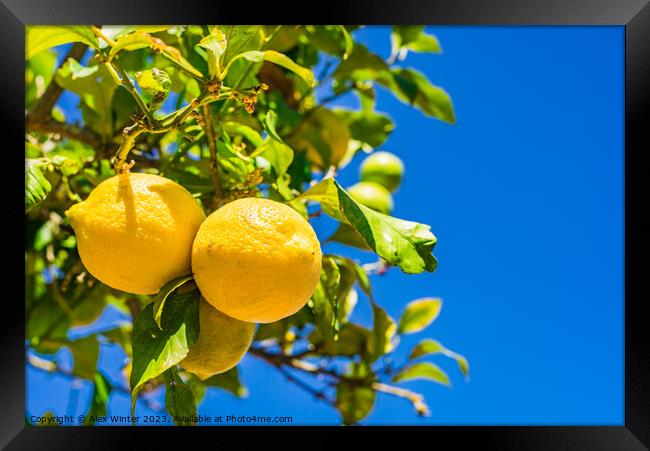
634 15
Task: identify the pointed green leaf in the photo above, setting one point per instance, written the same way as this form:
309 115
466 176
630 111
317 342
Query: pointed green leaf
155 351
414 88
256 56
98 406
165 291
270 119
37 187
426 347
41 37
423 370
228 381
405 244
279 155
368 127
429 346
324 301
85 352
419 314
382 335
179 399
215 44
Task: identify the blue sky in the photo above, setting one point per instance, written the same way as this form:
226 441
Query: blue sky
525 196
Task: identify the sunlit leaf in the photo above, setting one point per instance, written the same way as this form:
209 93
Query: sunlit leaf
256 56
85 352
405 244
155 351
368 127
179 399
41 37
429 346
163 294
228 381
37 187
423 370
419 314
382 335
324 300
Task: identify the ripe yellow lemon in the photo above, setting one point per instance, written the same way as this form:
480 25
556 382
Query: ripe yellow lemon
135 231
222 343
256 260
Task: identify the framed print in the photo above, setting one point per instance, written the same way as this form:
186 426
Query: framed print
429 217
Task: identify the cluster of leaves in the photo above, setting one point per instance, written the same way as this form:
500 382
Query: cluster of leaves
227 112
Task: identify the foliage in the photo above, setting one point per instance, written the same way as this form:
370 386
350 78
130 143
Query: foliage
219 109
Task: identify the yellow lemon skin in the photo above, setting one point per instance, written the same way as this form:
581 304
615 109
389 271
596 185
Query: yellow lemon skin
222 343
135 231
256 260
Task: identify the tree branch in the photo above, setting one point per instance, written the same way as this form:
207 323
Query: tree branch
84 135
416 399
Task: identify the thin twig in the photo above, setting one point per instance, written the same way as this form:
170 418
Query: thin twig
416 399
126 82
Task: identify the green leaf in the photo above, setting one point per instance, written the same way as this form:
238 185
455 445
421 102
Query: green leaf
237 128
95 87
275 152
140 40
155 351
270 119
240 38
41 37
118 31
215 44
228 381
429 346
129 42
156 84
345 234
413 38
37 187
324 300
423 370
85 352
382 335
425 43
154 81
349 43
426 347
165 291
405 244
256 56
179 399
352 341
367 126
354 401
362 64
414 88
419 314
98 406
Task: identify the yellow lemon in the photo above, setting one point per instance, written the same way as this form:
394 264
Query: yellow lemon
135 231
256 260
323 132
222 343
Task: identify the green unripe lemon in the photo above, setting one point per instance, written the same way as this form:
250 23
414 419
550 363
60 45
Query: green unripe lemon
384 168
372 195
